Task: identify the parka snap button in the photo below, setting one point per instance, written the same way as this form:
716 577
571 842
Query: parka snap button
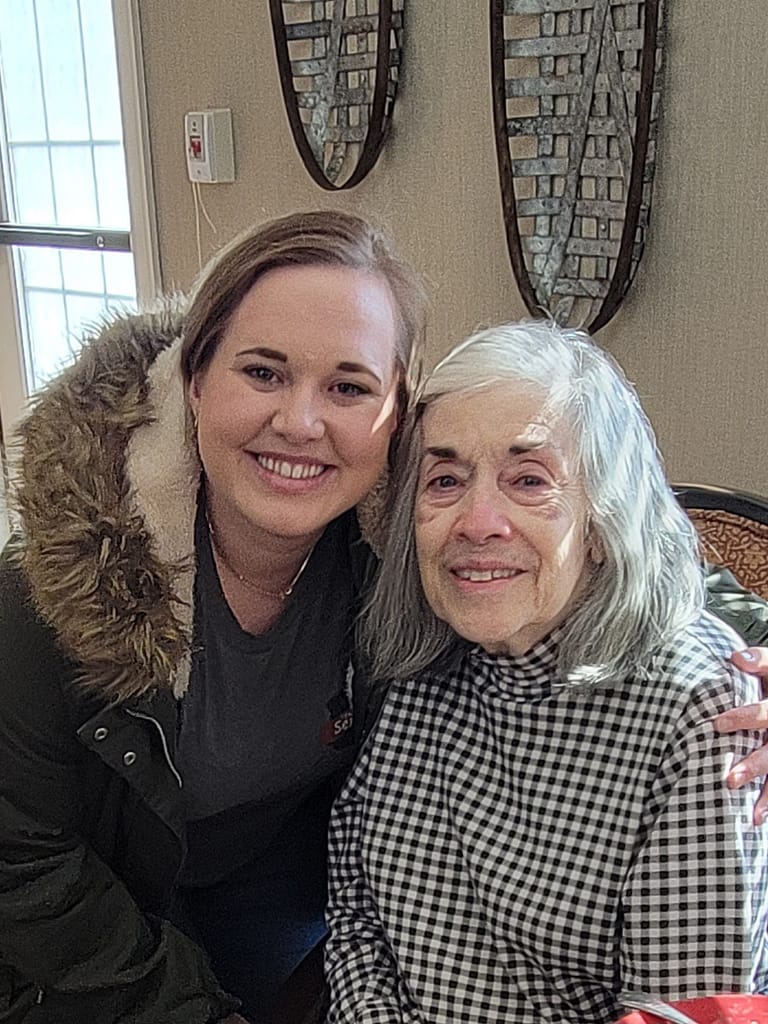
101 733
129 757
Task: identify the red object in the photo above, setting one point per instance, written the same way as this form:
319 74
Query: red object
726 1009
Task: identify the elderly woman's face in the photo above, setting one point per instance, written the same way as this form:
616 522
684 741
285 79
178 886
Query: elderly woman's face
500 517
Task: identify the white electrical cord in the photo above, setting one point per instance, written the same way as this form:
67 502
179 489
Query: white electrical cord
197 200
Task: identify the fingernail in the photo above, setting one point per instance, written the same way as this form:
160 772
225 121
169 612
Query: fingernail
747 655
736 778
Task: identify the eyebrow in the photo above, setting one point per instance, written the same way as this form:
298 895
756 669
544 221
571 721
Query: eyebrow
440 453
452 455
523 449
268 353
281 357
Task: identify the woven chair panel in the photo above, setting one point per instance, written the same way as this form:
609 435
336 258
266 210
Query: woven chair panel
738 543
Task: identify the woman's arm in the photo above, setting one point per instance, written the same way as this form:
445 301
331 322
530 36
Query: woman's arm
695 906
748 615
750 716
73 942
70 928
365 987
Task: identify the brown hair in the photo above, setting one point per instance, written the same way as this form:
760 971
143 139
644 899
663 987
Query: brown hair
324 237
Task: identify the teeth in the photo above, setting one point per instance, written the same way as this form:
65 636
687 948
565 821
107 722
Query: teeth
484 576
290 470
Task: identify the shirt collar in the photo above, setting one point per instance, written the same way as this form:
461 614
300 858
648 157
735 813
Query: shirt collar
525 677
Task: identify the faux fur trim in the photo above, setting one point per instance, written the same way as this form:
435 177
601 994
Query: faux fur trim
109 559
164 470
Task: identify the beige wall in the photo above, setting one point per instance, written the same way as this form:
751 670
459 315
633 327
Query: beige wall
693 333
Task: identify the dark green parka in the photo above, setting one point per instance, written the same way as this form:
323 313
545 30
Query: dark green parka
95 625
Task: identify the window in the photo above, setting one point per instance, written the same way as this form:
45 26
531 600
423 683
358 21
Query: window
71 211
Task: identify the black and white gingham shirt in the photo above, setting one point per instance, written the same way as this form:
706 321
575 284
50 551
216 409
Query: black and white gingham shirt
511 848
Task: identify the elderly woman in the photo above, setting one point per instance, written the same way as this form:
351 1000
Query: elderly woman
539 820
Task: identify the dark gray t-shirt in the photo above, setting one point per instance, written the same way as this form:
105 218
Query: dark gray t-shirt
267 720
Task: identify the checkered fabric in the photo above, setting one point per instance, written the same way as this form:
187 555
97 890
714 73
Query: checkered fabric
515 848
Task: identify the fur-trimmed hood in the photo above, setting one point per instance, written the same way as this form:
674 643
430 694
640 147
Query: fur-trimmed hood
106 493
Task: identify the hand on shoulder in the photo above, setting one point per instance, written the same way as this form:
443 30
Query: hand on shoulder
751 716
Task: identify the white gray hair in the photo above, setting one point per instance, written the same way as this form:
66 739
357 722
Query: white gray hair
649 584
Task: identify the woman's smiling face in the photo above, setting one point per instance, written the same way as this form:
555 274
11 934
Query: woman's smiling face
501 517
297 405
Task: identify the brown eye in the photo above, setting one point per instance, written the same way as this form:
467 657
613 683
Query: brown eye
350 390
263 374
443 482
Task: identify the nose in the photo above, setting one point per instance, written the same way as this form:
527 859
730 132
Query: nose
298 417
483 518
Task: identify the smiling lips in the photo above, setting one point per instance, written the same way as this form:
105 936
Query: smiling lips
291 470
486 575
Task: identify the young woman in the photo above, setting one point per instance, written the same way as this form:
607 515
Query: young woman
177 683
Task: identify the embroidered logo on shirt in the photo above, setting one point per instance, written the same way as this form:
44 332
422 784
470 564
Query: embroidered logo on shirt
337 732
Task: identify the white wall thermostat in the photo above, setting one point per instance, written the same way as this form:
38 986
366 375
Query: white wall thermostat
209 146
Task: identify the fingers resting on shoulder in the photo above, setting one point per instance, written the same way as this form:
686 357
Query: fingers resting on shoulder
750 717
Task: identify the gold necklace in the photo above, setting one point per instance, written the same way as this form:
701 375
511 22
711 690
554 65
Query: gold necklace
279 595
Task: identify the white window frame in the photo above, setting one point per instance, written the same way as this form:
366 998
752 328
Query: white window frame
141 194
143 226
12 383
